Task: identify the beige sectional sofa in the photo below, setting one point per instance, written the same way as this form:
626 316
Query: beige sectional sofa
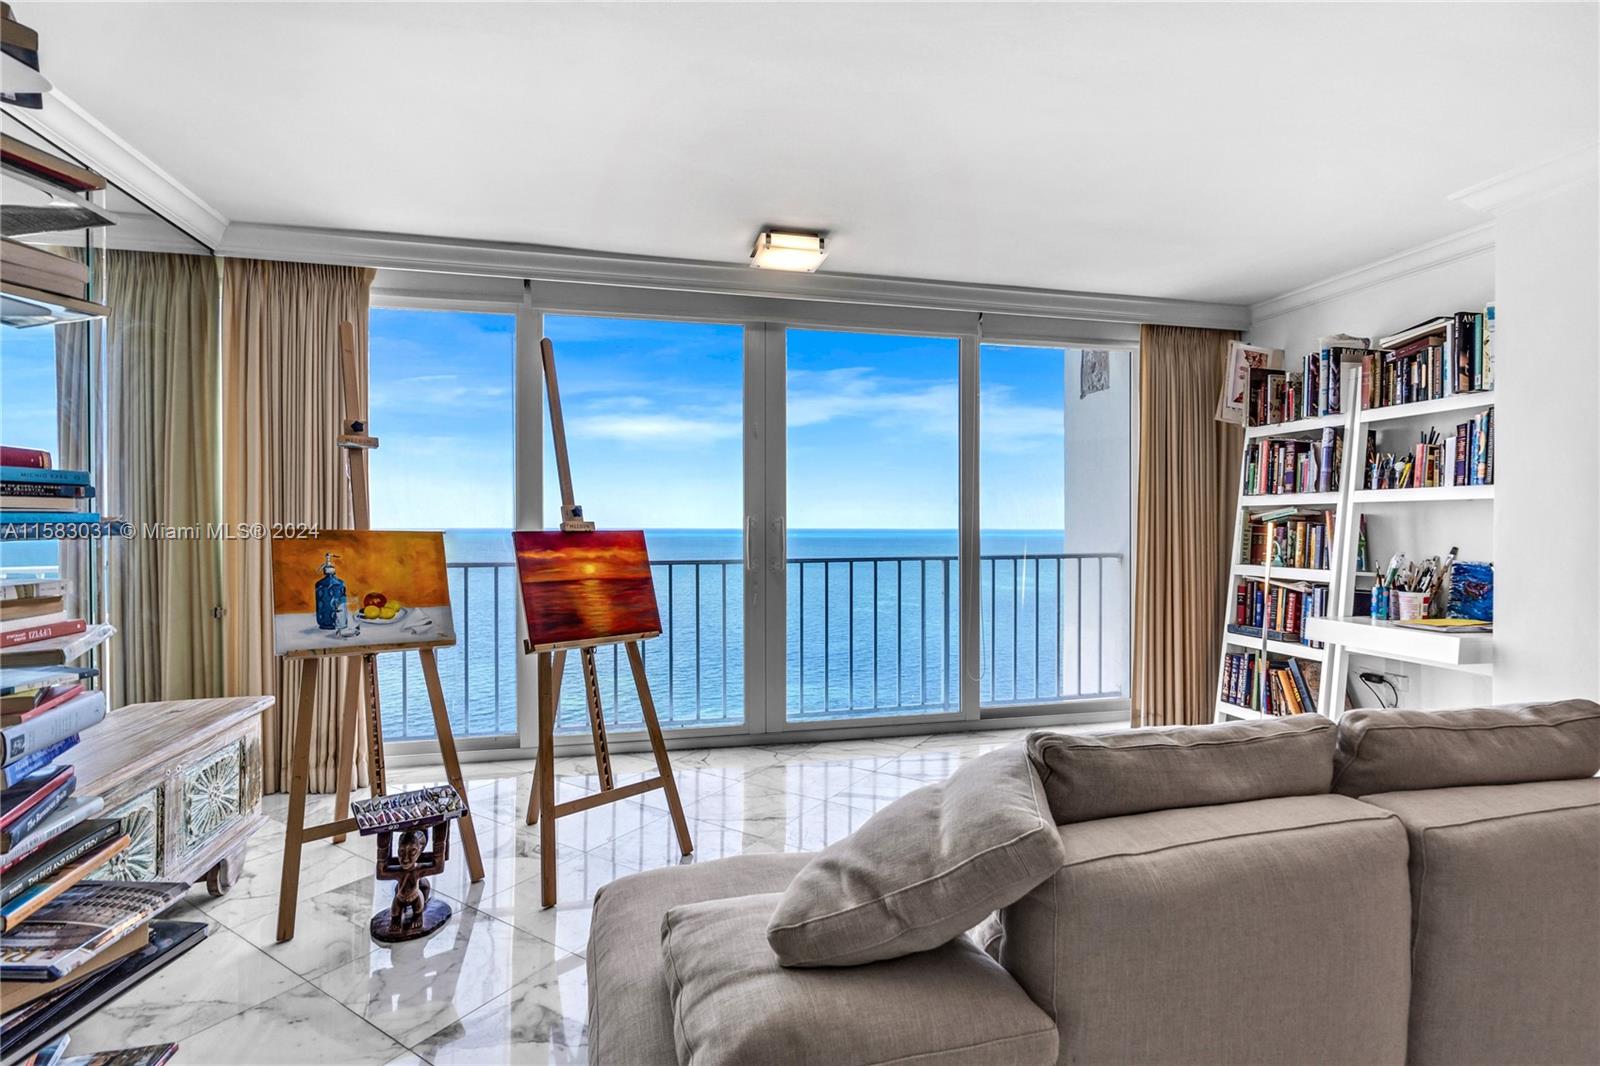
1404 887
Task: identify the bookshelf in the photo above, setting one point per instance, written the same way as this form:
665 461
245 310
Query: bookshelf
1312 568
1419 521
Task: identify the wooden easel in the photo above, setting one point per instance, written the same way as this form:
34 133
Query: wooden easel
551 665
354 443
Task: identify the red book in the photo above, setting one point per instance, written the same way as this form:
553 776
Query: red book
30 457
40 789
54 696
34 634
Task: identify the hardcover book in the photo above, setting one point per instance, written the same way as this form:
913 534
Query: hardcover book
36 897
19 679
22 820
82 712
69 814
85 838
21 768
71 930
26 706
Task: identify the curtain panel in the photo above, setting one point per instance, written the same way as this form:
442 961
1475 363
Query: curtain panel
162 468
1188 474
282 406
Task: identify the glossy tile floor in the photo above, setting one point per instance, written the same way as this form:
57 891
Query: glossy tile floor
504 980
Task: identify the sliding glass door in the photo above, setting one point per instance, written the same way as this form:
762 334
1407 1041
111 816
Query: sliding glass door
870 613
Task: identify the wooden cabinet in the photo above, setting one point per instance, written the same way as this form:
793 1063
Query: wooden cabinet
184 777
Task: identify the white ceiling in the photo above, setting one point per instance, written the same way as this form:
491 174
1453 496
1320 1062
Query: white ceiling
1207 152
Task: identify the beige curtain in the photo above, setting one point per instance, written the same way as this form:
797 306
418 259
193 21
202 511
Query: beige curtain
282 406
1188 474
161 379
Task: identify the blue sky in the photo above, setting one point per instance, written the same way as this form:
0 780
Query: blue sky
28 385
654 422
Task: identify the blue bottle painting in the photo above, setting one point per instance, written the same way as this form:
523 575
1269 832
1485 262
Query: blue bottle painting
330 595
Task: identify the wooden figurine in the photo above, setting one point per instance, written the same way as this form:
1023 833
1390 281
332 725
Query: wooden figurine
402 859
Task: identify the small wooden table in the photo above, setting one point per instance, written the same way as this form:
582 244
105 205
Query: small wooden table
184 777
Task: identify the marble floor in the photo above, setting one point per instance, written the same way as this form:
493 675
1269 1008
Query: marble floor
504 980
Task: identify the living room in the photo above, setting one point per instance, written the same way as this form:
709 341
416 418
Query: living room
782 533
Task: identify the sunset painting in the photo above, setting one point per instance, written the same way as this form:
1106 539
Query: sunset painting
350 589
585 588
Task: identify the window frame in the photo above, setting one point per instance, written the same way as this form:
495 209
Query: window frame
766 320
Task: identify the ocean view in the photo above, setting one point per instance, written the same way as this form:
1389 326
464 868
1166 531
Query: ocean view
871 625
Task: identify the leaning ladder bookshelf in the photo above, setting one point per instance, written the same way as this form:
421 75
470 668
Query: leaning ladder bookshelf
1266 645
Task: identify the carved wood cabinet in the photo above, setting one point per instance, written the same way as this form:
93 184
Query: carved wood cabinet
184 778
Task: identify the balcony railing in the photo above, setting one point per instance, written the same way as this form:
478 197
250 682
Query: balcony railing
867 637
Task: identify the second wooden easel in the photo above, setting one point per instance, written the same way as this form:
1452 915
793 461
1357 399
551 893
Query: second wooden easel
354 443
551 665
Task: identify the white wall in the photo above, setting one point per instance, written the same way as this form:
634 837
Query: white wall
1547 449
1374 303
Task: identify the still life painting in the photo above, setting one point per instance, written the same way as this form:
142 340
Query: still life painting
349 589
586 588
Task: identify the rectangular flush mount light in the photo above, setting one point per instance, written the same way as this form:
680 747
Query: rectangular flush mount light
780 250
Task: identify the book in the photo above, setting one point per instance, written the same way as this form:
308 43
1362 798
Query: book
36 897
26 706
34 475
22 589
73 928
82 712
19 679
1448 625
32 632
23 458
56 651
151 1055
26 765
45 490
55 1013
46 791
17 611
41 269
59 853
51 503
75 518
17 994
42 164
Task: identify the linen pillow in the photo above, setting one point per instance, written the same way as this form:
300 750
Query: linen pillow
732 1004
924 870
1103 775
1402 751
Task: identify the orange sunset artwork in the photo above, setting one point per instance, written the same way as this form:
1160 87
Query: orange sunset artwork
585 588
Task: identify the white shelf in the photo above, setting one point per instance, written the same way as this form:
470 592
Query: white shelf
1465 401
1229 710
1282 573
1438 494
1299 425
1268 500
1365 636
1274 647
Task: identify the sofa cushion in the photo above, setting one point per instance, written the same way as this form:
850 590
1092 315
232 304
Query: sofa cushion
1272 931
923 870
1505 882
1105 775
1400 751
630 1014
732 1003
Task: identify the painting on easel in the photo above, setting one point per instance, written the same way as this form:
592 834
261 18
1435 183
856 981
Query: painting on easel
586 588
348 589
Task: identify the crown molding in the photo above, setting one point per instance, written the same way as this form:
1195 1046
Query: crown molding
1535 182
80 134
1479 240
543 263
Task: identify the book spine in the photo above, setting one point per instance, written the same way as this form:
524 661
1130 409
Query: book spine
31 899
42 475
45 490
32 634
18 830
84 845
76 518
16 771
25 458
82 712
32 590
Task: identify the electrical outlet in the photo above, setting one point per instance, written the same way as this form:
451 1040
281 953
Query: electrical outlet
1399 679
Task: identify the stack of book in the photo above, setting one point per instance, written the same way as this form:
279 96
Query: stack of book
34 496
1277 465
1283 609
1444 356
1464 457
1304 540
1310 391
1291 684
38 627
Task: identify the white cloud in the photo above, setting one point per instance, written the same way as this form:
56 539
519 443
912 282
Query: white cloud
654 428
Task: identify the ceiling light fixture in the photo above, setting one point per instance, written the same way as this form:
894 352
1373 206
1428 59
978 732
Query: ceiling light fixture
787 250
